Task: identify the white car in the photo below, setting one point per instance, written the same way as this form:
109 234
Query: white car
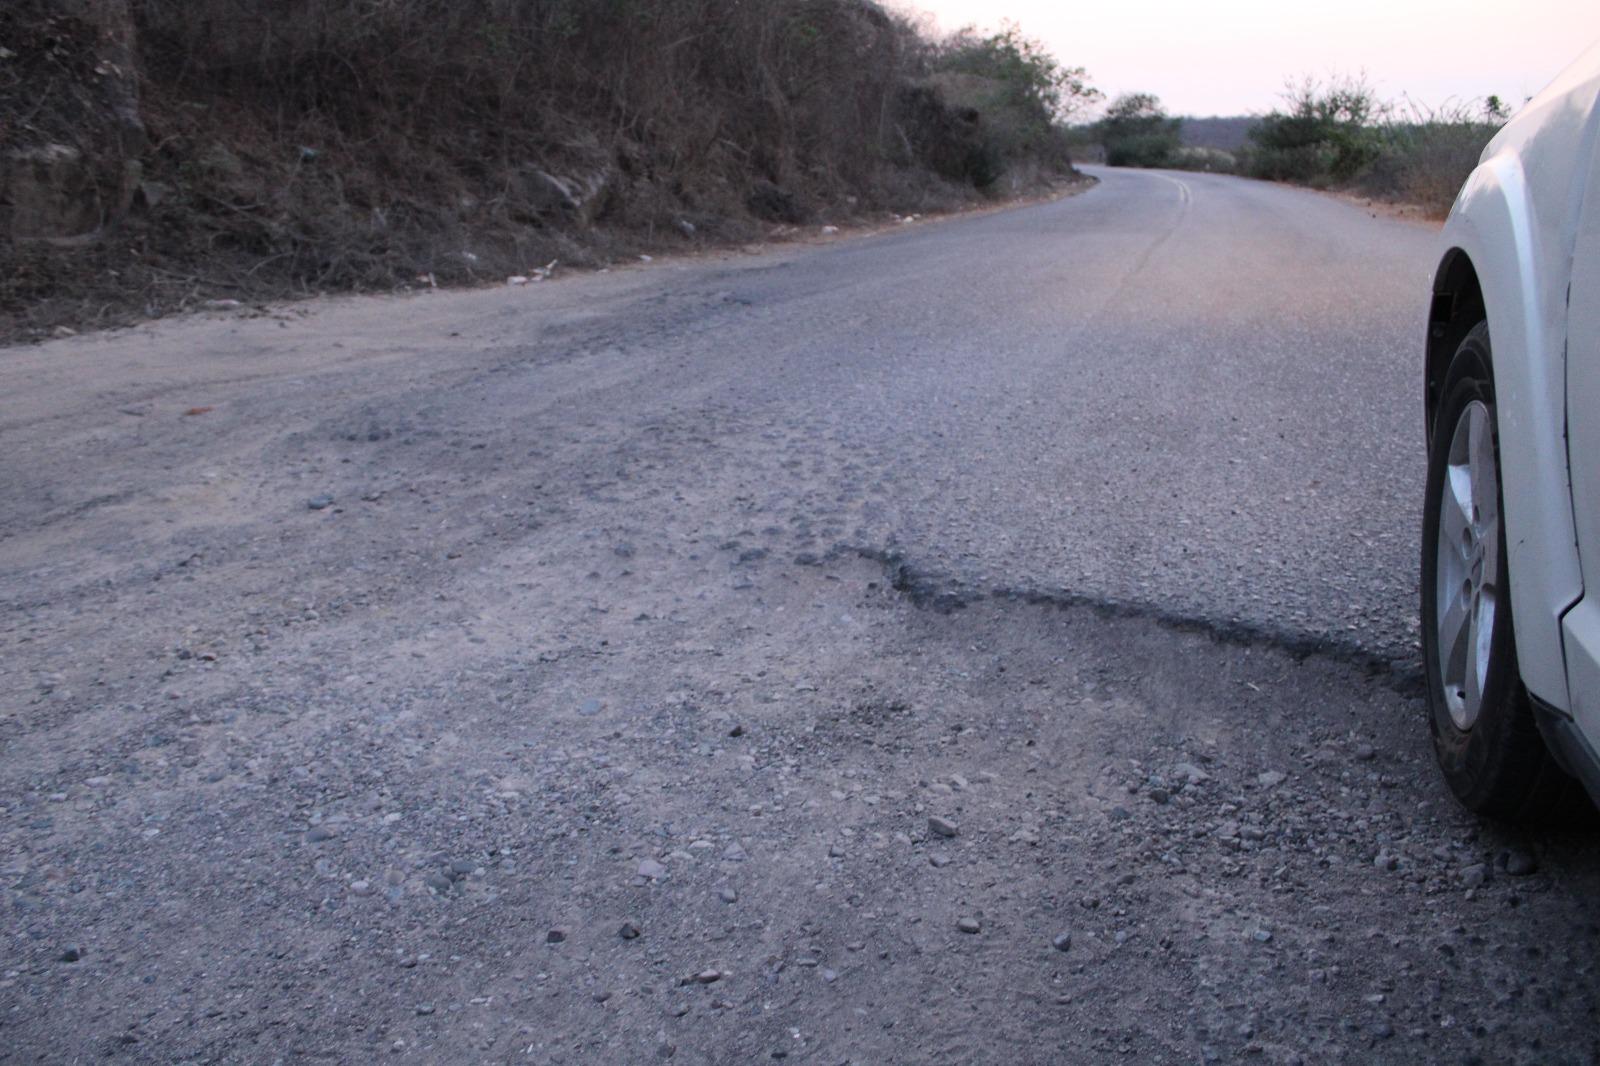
1511 526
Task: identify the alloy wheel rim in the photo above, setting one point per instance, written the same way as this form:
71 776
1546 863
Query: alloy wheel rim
1467 575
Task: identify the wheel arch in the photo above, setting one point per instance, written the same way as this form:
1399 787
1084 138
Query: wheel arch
1456 307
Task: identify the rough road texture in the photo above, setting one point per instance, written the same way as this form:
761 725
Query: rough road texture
987 641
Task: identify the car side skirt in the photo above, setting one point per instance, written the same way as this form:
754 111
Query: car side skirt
1570 747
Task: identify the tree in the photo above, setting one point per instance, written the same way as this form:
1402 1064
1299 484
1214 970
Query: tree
1137 132
1018 94
1031 79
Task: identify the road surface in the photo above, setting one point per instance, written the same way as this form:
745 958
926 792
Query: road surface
989 638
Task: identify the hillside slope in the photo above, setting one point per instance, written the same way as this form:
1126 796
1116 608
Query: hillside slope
158 153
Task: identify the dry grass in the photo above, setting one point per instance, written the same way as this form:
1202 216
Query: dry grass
310 145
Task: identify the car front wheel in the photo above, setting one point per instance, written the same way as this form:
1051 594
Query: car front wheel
1484 733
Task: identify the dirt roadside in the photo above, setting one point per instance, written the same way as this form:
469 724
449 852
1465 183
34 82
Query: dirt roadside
101 298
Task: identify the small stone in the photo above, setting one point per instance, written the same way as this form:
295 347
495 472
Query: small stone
1261 936
1519 863
1159 796
830 976
72 953
736 731
1119 814
1365 752
735 852
943 827
1475 876
728 895
969 925
1190 773
629 931
424 1008
438 882
318 834
589 708
652 869
1270 778
707 977
939 860
555 936
1384 861
835 851
318 503
1062 942
361 888
462 867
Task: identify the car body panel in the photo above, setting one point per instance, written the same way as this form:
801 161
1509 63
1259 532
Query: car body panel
1517 219
1581 626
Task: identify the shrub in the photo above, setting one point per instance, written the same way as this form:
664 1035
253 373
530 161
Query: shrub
1016 91
1343 135
1426 155
1137 132
1326 134
1211 160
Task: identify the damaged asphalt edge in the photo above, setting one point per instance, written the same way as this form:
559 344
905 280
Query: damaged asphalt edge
929 590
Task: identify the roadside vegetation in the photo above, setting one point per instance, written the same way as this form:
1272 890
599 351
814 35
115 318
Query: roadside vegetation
157 154
1328 135
1137 132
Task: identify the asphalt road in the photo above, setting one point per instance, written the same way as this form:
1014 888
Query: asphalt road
370 667
1184 393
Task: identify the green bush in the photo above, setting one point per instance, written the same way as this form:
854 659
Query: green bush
1015 92
1327 134
1342 135
1137 132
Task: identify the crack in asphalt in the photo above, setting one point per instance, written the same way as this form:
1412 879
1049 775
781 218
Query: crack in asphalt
928 589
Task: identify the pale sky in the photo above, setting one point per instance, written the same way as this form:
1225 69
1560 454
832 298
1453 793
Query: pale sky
1232 56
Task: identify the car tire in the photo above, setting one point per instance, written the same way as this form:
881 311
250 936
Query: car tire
1484 734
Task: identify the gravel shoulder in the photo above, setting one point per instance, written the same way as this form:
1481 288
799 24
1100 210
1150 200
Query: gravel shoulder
460 683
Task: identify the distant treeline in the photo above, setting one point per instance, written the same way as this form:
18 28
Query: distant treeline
1327 135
